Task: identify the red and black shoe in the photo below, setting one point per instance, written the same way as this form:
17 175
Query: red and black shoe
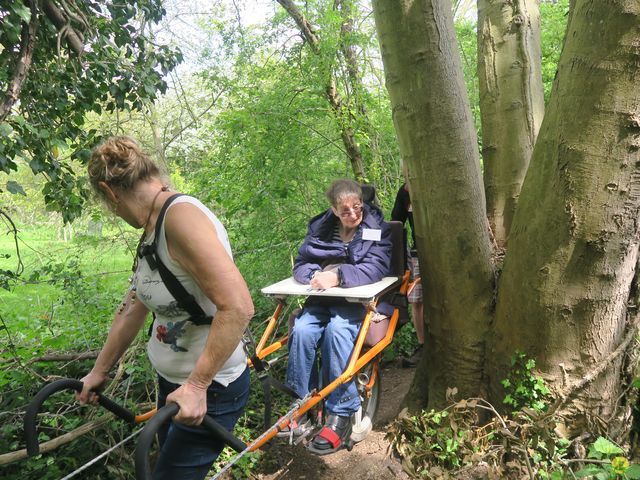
333 436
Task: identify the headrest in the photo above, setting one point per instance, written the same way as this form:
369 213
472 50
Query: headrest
369 195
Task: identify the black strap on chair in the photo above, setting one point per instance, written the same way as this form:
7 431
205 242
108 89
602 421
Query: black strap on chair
185 300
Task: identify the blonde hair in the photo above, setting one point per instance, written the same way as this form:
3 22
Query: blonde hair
343 188
120 162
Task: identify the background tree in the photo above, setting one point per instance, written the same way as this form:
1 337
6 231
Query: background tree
341 109
59 61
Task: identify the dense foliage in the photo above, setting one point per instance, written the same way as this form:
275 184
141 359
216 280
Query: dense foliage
61 60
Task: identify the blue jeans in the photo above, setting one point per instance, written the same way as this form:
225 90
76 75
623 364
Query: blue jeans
334 329
186 452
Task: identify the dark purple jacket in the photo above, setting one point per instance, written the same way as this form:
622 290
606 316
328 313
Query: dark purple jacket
362 261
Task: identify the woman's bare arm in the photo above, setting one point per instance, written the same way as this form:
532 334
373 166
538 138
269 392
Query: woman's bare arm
194 244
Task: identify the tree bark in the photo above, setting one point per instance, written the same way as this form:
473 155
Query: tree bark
573 247
27 44
438 144
58 18
511 102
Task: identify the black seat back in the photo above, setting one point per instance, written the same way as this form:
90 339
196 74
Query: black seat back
369 195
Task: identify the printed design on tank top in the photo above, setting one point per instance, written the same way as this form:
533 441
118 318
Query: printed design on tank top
170 333
172 309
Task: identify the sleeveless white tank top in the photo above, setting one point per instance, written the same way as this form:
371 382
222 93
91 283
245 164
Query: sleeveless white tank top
176 343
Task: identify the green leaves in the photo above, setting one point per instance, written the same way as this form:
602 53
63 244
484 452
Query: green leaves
524 389
604 448
120 69
15 188
619 467
22 11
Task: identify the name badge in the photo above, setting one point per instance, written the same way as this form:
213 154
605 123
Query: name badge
373 234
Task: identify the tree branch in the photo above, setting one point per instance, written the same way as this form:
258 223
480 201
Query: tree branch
14 232
27 43
61 22
56 442
304 26
65 357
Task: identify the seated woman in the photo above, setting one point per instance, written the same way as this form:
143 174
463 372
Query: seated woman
347 246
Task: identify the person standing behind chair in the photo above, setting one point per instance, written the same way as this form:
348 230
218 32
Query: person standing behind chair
403 212
347 246
201 366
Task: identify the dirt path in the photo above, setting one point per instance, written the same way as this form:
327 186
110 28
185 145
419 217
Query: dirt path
367 460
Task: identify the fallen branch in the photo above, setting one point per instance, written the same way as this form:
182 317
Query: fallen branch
45 447
65 357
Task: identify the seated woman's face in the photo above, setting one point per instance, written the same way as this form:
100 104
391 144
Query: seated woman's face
349 211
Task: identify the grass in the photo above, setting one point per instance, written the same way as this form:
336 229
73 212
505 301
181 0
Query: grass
66 289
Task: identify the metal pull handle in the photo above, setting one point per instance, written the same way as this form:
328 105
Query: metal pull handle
143 470
30 417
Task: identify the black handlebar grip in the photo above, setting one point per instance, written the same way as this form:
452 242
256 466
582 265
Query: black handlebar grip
31 414
143 470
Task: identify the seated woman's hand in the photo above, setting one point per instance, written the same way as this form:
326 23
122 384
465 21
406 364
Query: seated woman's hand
324 280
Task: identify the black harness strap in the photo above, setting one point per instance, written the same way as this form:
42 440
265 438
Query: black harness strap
185 300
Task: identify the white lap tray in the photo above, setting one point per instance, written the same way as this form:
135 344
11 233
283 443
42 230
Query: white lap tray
363 293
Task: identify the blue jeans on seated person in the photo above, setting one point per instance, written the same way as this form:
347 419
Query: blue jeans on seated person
334 329
187 452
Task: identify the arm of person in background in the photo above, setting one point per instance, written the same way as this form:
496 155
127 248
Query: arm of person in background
193 242
127 322
400 212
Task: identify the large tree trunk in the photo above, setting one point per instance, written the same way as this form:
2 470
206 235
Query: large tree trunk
511 101
573 246
438 144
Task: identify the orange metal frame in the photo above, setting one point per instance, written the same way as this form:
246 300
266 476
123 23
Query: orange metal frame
357 362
